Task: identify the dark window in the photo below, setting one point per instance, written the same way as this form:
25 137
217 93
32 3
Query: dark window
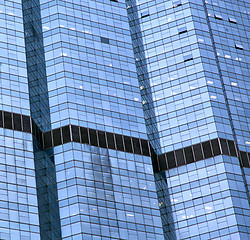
111 141
232 20
114 0
207 149
136 145
84 135
57 138
145 14
93 137
128 145
34 128
47 140
102 139
17 122
26 124
187 57
39 135
239 46
154 160
75 133
7 120
119 142
180 157
197 152
244 160
217 16
189 154
177 4
1 119
232 148
215 147
66 134
182 30
162 162
37 132
224 148
171 160
145 148
104 40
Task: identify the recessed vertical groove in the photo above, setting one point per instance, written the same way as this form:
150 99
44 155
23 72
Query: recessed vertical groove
38 95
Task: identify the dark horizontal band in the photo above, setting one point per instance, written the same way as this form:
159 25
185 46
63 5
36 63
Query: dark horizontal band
169 160
72 133
199 152
15 121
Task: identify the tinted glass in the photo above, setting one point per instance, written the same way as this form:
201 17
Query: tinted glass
104 40
57 137
66 134
136 145
93 137
119 142
26 124
224 148
162 162
197 152
145 148
47 140
244 159
84 135
180 157
111 141
171 160
17 122
128 145
232 148
75 133
102 139
154 160
1 119
189 154
216 147
207 149
7 120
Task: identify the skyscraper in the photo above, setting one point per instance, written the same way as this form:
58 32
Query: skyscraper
192 62
124 119
69 85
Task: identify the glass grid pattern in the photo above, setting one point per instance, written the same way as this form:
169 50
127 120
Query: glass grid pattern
92 84
82 72
191 59
18 202
208 200
232 48
106 193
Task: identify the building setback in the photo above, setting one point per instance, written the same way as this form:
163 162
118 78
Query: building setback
124 120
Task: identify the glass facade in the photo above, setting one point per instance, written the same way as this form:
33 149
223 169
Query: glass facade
124 119
191 59
18 201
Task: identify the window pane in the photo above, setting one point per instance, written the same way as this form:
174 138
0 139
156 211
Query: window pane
198 152
66 134
7 120
75 133
57 138
189 154
171 160
84 135
17 122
